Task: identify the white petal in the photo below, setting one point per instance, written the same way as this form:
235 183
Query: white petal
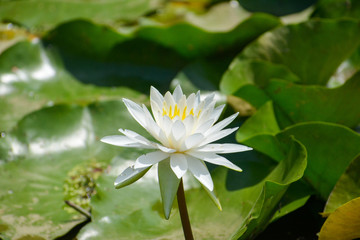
205 126
200 172
204 116
178 130
165 149
192 141
124 141
223 148
197 99
182 104
167 124
217 112
156 96
149 159
136 112
178 164
137 137
189 122
178 93
169 100
209 99
218 135
151 126
190 101
215 159
220 125
129 175
156 110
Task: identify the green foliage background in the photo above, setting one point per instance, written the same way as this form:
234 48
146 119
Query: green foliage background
290 69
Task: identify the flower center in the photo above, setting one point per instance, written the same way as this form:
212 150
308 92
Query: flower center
176 111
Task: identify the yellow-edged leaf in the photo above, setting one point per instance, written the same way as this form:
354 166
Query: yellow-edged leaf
344 223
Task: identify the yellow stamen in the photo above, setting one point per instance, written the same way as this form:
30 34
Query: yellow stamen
184 113
177 112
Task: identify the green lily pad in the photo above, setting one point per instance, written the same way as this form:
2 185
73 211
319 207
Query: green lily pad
298 103
32 77
296 196
259 132
248 199
316 137
315 60
247 78
346 189
190 38
42 152
194 41
118 59
311 103
43 15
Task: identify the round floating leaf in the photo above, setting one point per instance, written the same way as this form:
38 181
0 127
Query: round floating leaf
259 132
246 78
32 77
256 72
117 59
311 103
346 189
344 223
316 136
43 149
191 40
315 60
42 15
325 164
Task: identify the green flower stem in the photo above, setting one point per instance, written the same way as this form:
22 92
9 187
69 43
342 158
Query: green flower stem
185 221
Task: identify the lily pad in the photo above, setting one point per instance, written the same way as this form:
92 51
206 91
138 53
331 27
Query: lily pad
37 157
316 137
310 103
343 224
191 37
43 15
195 41
32 77
319 155
247 78
135 212
315 60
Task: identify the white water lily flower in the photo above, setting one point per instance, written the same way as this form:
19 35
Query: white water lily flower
185 129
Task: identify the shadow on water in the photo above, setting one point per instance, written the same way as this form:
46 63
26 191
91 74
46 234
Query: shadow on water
256 166
73 232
